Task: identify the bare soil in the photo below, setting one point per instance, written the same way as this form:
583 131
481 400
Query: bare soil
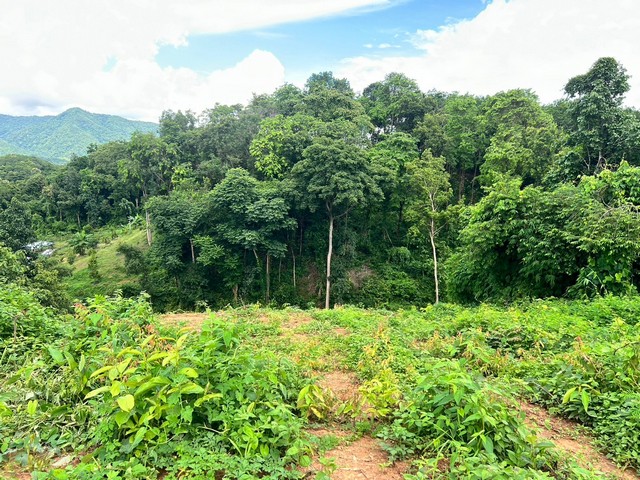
362 459
343 385
193 321
564 434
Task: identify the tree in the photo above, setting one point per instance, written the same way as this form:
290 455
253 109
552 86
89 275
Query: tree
394 105
251 215
430 182
280 142
336 175
524 138
389 160
604 130
465 140
149 168
15 225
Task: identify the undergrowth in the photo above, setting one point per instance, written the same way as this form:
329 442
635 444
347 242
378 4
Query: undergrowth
127 397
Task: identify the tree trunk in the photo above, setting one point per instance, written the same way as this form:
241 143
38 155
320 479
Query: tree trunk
473 183
301 236
432 237
293 257
235 294
147 219
193 253
461 185
329 254
268 269
78 217
400 218
259 267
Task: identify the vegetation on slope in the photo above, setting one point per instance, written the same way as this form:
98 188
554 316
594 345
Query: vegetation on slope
57 138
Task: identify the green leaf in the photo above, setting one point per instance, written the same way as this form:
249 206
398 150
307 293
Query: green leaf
264 450
487 443
187 414
100 371
121 417
157 356
97 391
126 402
32 407
189 372
56 354
154 382
569 395
206 398
116 387
122 366
191 388
139 435
586 398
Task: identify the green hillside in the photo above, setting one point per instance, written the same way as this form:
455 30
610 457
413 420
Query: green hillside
14 168
57 138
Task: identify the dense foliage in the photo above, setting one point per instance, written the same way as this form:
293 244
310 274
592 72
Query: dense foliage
393 197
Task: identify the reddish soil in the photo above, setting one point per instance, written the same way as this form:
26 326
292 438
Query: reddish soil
564 435
343 385
193 321
362 459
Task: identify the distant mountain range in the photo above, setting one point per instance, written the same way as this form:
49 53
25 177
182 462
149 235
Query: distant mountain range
57 138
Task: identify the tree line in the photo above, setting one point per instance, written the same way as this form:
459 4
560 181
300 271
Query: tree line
395 196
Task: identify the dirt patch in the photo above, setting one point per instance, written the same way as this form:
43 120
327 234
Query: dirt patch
343 385
362 459
579 446
324 432
19 475
189 320
342 332
297 319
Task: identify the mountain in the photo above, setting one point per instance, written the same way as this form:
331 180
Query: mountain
57 138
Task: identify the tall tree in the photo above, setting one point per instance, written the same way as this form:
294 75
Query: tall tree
604 130
336 175
524 138
430 182
251 215
394 105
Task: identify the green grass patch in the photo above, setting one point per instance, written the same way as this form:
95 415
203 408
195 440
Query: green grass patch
110 266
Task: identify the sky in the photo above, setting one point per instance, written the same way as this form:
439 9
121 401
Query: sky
137 58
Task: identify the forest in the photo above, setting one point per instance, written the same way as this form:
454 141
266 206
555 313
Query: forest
461 259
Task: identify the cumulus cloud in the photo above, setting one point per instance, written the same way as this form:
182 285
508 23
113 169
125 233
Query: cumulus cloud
537 44
100 54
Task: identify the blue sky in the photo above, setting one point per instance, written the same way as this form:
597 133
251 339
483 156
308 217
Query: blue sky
139 58
314 45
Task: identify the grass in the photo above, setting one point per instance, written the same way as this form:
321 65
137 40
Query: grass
110 266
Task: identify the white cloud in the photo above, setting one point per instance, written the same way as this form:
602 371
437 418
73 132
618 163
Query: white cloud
54 54
537 44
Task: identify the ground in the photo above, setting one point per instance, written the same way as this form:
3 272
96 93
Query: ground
362 457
